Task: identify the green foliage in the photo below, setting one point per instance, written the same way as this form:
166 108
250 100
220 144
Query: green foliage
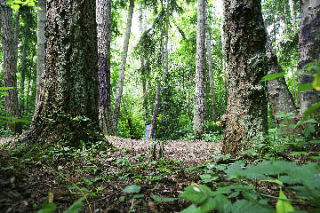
132 189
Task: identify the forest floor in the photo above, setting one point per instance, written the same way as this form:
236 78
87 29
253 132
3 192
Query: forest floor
99 173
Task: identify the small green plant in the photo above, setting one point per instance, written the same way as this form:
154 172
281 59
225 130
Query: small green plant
131 191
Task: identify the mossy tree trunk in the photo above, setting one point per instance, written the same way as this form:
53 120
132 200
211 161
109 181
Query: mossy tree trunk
246 116
68 97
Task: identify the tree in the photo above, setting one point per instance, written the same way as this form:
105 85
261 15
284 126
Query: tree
165 67
124 53
198 117
280 98
104 38
210 64
246 114
68 99
309 48
27 17
9 44
41 43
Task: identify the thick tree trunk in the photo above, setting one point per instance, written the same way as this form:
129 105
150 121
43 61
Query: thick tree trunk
309 48
198 116
165 69
246 116
280 98
211 79
41 44
119 92
104 37
9 44
68 101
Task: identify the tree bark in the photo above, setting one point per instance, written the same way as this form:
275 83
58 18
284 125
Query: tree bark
27 34
41 44
118 97
292 15
9 44
309 48
280 98
211 78
246 116
198 117
68 101
103 11
143 68
165 69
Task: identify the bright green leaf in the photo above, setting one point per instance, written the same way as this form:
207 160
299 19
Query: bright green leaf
283 205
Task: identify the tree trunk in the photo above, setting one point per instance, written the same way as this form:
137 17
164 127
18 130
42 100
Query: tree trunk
292 15
309 48
68 101
246 116
118 97
280 98
143 68
165 69
211 79
198 117
41 44
9 44
104 37
27 34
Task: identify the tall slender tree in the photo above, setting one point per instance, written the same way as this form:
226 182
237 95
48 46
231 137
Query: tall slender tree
165 67
309 48
68 103
27 16
41 43
9 43
210 64
124 53
246 115
104 37
198 116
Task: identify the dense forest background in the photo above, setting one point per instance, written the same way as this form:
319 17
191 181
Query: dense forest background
242 74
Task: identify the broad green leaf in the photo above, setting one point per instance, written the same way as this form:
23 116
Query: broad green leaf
47 207
283 205
192 209
316 82
208 205
132 189
76 207
273 76
223 204
196 193
247 206
305 87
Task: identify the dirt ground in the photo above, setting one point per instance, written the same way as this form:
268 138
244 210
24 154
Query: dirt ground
26 181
